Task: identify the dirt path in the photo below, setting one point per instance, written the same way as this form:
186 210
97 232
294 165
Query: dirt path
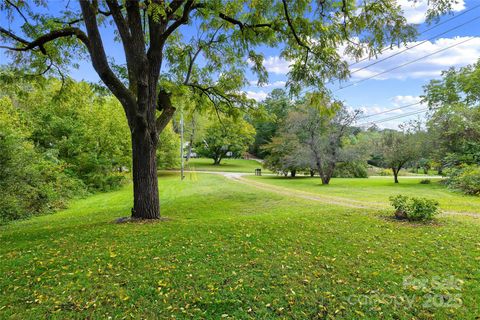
339 201
344 202
297 193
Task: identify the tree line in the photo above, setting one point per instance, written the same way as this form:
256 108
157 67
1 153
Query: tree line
60 140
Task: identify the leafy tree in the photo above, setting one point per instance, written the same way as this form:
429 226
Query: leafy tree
150 33
354 155
322 126
59 143
454 125
276 106
76 126
229 135
286 154
30 182
396 149
454 122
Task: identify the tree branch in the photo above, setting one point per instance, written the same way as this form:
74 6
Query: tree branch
18 10
13 36
40 41
187 8
119 19
290 25
164 104
100 63
243 25
126 37
197 52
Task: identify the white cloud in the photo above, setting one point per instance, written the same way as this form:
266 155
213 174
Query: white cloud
277 65
276 84
378 113
415 11
429 67
258 96
399 101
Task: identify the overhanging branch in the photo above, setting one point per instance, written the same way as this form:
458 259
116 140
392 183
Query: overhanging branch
42 40
290 25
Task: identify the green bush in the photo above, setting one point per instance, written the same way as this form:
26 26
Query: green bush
425 181
413 208
385 172
58 144
351 170
465 179
30 182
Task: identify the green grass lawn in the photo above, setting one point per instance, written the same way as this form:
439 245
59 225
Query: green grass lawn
226 165
233 251
376 191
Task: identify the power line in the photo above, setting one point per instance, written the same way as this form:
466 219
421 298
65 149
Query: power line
392 118
424 31
395 117
416 45
390 110
405 64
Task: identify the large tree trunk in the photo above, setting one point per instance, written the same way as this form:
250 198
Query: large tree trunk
146 203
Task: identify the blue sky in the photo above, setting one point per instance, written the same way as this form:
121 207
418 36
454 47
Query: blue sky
404 85
390 90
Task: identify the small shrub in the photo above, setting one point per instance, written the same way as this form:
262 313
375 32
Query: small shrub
385 172
425 181
413 208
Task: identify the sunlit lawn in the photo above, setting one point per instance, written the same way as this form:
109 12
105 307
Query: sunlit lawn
234 251
377 190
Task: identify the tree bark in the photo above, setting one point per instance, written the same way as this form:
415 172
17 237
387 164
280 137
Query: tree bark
293 173
325 179
146 204
395 174
217 159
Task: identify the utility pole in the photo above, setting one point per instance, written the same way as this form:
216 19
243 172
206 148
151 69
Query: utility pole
181 147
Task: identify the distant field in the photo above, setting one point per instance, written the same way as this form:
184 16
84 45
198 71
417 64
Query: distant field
226 165
377 190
